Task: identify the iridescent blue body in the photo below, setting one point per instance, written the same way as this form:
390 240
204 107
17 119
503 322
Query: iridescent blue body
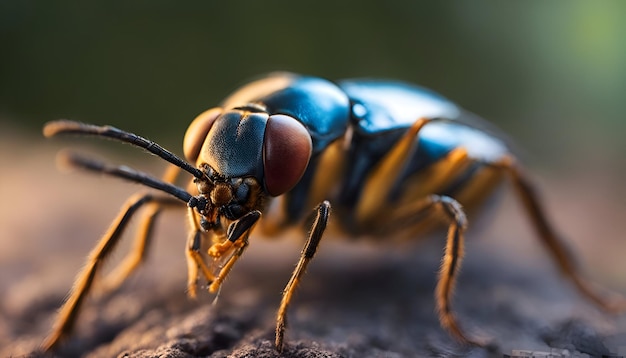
389 157
365 118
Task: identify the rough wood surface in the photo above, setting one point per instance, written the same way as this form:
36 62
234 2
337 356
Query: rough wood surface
356 300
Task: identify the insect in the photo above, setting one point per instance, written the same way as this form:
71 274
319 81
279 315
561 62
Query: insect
392 158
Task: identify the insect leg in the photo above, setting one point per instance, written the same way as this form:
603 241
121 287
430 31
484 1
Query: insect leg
556 247
450 264
380 181
238 233
142 240
315 235
237 239
430 209
195 261
83 283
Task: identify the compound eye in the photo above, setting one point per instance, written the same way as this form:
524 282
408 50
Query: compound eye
197 133
287 149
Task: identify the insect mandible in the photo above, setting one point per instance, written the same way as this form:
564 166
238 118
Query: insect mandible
389 156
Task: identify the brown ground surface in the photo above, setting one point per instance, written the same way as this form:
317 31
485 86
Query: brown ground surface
356 300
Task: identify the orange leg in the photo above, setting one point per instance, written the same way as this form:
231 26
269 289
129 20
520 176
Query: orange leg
69 312
552 241
449 211
322 213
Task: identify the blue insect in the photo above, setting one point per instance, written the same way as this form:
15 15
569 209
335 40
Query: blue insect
391 158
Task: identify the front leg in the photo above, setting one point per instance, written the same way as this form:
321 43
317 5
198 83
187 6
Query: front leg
234 245
308 251
195 261
237 239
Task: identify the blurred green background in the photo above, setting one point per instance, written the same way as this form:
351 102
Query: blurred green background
551 74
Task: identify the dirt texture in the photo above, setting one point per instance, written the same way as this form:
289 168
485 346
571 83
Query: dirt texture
372 299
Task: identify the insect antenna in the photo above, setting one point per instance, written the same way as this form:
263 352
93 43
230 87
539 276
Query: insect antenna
71 127
72 159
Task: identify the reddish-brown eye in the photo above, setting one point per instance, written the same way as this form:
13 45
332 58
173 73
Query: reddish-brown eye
287 149
197 132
